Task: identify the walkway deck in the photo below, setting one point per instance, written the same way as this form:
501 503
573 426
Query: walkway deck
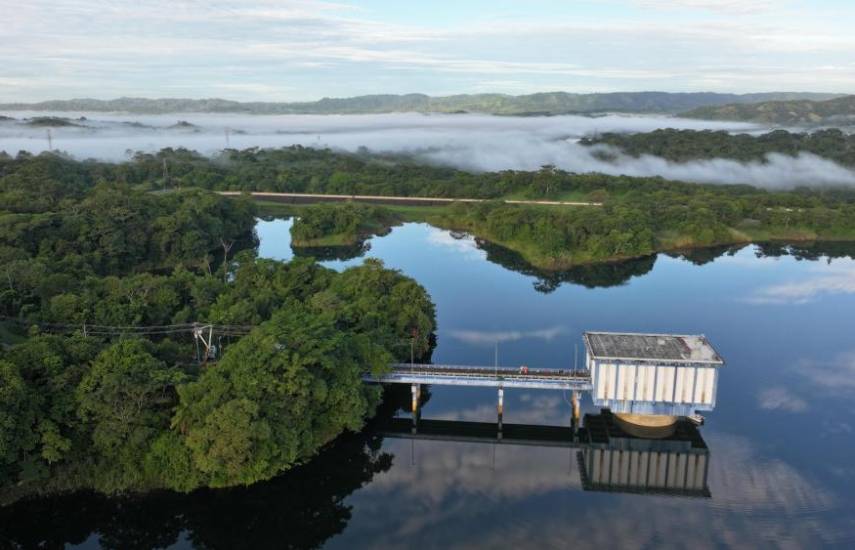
495 377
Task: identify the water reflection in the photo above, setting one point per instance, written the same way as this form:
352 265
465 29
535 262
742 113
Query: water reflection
610 458
300 509
780 443
599 275
329 253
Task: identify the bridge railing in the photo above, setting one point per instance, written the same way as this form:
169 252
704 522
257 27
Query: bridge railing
489 372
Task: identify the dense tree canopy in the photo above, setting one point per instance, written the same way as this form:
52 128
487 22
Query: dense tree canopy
119 412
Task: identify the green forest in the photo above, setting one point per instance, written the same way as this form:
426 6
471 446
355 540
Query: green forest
90 400
638 215
92 251
339 224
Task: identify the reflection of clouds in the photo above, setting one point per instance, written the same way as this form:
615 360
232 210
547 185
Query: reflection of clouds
839 281
464 244
780 399
532 497
836 376
547 408
488 337
742 481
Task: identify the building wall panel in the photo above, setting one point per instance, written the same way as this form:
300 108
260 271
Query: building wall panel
665 383
705 385
596 465
644 469
644 388
611 382
626 388
684 384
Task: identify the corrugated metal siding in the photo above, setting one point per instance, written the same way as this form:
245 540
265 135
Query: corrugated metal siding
654 470
665 383
645 389
626 390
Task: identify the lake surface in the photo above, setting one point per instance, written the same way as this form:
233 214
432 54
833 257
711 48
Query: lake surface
781 447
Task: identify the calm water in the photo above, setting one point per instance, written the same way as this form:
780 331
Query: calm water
781 438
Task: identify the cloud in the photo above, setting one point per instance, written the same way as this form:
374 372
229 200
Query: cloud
835 376
462 243
837 282
723 6
298 49
773 399
479 337
531 496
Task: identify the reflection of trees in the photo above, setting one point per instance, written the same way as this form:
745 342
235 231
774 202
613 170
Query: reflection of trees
617 273
299 509
597 275
326 253
705 255
808 250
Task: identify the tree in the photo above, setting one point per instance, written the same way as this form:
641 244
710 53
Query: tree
126 395
284 390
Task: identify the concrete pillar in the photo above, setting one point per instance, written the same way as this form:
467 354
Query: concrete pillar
575 402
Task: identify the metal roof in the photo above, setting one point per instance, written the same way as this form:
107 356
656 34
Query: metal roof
670 348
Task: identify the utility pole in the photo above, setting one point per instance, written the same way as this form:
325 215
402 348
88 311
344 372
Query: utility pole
496 358
49 140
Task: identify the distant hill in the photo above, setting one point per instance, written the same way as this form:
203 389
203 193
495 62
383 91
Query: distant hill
551 103
793 112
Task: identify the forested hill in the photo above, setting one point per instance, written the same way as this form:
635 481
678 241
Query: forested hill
840 110
100 387
549 103
689 145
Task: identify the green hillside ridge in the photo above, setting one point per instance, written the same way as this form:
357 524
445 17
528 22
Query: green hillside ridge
547 103
840 110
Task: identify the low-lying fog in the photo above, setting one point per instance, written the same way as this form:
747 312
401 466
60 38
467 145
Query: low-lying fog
473 142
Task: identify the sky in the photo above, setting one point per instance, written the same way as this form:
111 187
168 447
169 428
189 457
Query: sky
294 50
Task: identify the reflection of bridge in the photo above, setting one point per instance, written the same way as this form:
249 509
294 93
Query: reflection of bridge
609 458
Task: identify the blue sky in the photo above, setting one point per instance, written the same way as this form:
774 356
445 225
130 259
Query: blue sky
303 50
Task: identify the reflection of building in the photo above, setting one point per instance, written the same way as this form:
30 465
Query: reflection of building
610 459
652 374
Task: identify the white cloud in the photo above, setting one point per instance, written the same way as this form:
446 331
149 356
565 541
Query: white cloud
460 242
835 376
306 50
839 281
488 337
780 399
724 6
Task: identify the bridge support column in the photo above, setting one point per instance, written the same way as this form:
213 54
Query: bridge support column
500 408
574 400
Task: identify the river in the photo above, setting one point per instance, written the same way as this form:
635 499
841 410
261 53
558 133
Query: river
781 447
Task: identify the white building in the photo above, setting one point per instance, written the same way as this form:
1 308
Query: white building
652 374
